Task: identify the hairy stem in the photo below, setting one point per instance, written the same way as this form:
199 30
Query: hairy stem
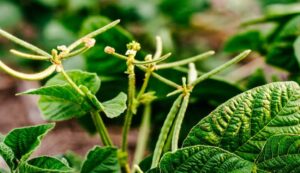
99 124
131 98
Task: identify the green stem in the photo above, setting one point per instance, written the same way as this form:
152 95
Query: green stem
71 82
131 97
143 68
185 61
145 84
137 62
143 136
76 52
179 121
99 124
93 34
220 68
165 131
24 43
160 78
28 56
166 56
137 169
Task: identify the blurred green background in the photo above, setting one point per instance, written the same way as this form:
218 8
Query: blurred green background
187 28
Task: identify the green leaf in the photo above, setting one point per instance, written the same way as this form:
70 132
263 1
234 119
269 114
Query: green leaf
246 40
116 106
44 164
282 10
291 29
104 160
244 123
60 101
281 54
74 160
280 154
256 79
204 159
8 155
90 80
296 46
23 141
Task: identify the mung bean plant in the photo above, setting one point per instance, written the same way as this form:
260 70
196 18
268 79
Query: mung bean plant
256 131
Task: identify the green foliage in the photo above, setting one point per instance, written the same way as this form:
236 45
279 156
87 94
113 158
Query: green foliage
23 141
74 160
278 43
296 47
245 40
204 159
280 154
116 106
20 143
244 123
44 164
256 79
8 155
60 101
103 159
254 131
181 11
96 60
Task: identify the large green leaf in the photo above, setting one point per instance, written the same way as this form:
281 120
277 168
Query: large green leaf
59 101
23 141
44 164
104 160
280 154
8 155
114 107
244 123
204 159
